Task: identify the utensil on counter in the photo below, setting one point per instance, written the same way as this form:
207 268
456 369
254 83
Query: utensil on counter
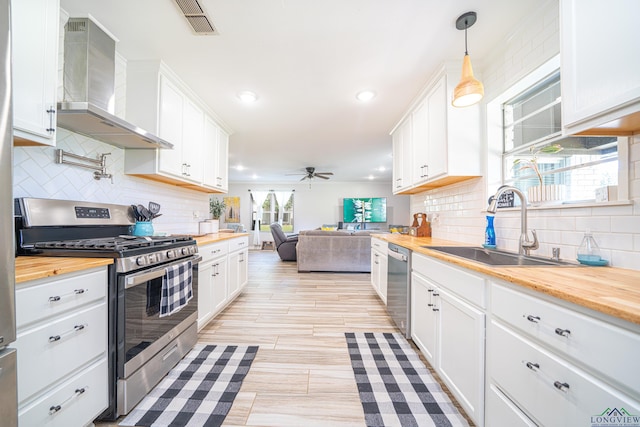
154 208
144 212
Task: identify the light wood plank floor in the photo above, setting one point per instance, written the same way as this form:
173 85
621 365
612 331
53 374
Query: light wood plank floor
302 374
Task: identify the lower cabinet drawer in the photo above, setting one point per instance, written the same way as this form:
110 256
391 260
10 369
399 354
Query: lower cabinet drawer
238 243
53 350
602 346
75 402
550 390
501 412
49 297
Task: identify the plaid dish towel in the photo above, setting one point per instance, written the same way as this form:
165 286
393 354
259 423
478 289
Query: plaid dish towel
177 288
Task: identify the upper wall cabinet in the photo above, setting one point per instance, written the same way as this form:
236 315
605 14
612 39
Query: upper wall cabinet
159 102
436 144
600 61
35 71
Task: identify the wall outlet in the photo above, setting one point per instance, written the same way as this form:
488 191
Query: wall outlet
196 214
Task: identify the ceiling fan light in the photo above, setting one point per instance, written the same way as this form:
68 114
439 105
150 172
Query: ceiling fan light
470 90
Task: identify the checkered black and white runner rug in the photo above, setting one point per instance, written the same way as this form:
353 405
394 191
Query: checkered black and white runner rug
199 391
395 387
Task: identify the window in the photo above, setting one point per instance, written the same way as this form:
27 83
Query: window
540 161
273 212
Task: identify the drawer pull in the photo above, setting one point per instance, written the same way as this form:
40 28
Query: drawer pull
436 295
56 298
561 386
533 366
563 332
76 328
56 408
435 309
534 319
429 290
429 305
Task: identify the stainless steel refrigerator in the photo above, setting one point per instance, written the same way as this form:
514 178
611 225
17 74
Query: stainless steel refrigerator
8 379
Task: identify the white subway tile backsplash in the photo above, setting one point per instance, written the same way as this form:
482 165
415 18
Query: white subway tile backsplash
595 224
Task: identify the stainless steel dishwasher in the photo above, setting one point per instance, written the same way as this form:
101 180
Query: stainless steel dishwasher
398 289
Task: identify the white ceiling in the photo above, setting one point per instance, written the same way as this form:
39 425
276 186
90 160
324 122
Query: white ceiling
306 60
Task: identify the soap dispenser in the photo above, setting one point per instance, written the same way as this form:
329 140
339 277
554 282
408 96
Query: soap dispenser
588 251
489 233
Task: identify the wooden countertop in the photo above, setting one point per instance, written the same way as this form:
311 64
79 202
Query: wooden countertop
609 290
216 237
37 267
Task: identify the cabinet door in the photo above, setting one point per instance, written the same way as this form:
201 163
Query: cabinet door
424 316
437 130
35 68
170 127
219 286
398 170
375 270
192 141
460 359
594 81
210 152
419 143
237 271
205 294
222 177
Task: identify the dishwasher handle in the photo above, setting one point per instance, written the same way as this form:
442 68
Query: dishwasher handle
397 255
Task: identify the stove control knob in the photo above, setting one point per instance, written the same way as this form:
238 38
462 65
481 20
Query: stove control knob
185 251
171 254
141 261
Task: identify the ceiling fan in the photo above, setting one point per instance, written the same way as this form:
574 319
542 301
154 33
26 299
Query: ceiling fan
311 173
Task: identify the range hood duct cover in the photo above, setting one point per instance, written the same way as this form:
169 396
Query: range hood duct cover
89 89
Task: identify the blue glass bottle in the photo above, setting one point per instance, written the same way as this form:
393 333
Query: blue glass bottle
490 233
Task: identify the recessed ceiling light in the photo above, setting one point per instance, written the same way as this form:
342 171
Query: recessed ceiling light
247 96
365 95
371 177
382 169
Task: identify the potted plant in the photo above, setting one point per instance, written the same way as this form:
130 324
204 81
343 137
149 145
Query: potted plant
541 192
216 208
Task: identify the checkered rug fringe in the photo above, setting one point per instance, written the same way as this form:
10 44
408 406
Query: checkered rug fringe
198 392
395 387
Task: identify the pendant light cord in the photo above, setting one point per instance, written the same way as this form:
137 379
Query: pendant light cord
466 51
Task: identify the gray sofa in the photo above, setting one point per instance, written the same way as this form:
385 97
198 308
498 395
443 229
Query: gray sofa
338 251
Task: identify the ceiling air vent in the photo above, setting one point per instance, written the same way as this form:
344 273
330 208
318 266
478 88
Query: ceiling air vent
196 17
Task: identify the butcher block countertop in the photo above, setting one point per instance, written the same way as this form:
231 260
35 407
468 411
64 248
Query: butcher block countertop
206 239
609 290
39 267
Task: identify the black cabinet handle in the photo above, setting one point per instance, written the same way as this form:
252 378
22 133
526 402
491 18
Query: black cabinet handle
533 366
532 318
561 386
563 332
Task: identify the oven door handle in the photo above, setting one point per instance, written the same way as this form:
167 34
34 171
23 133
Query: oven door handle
145 276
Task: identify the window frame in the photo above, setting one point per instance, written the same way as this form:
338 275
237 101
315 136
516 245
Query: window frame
496 170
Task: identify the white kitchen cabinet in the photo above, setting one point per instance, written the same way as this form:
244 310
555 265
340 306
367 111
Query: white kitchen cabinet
599 63
34 58
238 265
401 147
443 144
555 363
379 267
212 281
223 273
57 384
424 316
448 326
158 101
216 151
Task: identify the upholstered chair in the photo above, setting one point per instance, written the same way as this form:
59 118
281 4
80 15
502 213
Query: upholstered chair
285 245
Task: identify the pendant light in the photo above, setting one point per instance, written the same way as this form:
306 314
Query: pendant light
469 91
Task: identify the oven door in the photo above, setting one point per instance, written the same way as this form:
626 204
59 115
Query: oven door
141 332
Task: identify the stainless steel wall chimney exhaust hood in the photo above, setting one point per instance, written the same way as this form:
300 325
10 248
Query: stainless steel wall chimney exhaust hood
89 88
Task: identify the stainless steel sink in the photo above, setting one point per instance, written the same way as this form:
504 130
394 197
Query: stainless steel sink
498 258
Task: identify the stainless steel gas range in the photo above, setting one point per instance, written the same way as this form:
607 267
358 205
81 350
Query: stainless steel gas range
144 344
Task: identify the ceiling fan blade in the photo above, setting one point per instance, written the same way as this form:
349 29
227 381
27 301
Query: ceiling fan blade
294 174
304 177
320 176
324 173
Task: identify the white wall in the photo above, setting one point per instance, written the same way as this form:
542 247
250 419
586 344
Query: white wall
322 202
460 208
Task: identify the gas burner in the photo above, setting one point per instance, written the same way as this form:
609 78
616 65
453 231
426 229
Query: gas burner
118 244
